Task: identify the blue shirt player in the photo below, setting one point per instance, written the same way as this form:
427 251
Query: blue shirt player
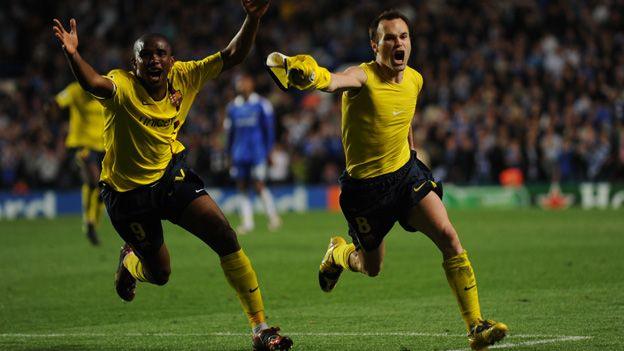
251 136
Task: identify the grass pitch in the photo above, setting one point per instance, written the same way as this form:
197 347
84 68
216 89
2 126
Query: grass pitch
556 278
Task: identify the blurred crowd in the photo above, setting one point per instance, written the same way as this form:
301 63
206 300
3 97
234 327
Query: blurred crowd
535 86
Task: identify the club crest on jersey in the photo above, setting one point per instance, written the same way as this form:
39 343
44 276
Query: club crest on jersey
175 96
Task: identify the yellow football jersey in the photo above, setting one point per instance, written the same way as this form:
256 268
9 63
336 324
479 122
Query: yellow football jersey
140 134
86 118
376 121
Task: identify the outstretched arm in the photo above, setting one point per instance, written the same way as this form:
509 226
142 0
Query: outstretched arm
239 47
303 72
88 78
352 78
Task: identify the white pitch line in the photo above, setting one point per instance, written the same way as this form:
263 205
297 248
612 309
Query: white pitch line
363 334
533 342
551 338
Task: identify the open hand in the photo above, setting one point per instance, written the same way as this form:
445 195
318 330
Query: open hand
255 8
69 40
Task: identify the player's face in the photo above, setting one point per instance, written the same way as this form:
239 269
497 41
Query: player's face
153 61
245 85
393 45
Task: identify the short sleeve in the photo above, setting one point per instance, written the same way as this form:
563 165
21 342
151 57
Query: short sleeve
267 107
121 82
419 81
195 74
66 96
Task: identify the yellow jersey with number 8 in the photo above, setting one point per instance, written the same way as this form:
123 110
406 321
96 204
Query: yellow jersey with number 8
140 134
376 121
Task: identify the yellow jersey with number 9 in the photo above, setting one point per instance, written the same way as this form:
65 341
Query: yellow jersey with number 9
140 134
376 121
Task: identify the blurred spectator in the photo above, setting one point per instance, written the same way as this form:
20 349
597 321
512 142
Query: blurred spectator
279 169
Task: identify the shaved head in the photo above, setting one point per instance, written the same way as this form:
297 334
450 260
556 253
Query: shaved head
152 60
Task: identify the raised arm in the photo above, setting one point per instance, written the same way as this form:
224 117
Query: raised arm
239 47
88 78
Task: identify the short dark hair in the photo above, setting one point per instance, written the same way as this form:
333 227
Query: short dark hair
386 15
152 36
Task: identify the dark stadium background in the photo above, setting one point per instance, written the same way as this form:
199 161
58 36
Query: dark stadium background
532 85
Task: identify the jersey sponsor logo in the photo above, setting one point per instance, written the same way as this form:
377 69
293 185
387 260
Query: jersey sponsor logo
396 113
159 123
250 121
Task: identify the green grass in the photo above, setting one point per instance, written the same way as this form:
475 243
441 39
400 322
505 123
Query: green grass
544 273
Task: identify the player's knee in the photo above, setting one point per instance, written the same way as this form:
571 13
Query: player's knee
227 242
372 270
450 240
92 178
93 182
160 277
225 231
446 232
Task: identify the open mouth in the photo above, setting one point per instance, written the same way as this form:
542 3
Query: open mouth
399 55
154 73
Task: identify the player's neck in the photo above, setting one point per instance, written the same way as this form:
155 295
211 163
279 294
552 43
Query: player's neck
389 74
157 92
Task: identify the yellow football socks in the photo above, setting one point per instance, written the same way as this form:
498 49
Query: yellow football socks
463 283
135 267
86 203
341 255
241 276
92 206
95 207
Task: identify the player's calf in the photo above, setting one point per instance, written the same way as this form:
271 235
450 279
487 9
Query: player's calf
92 235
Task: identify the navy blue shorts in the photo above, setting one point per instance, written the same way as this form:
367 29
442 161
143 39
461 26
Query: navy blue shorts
84 159
84 156
136 214
372 206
